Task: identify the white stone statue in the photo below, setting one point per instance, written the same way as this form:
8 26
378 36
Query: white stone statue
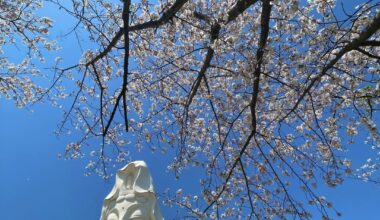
133 195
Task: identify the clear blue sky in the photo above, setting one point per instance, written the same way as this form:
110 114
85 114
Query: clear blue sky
35 185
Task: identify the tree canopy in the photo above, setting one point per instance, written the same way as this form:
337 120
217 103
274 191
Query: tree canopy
20 27
265 97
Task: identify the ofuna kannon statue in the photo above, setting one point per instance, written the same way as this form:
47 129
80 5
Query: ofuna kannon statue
133 196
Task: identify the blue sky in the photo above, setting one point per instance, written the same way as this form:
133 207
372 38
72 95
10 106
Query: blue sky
36 185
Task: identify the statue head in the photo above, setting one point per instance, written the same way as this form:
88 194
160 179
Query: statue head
133 195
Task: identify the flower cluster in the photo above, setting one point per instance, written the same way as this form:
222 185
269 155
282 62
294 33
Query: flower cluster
21 30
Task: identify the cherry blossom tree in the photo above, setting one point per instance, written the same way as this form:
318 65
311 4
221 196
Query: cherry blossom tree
265 96
22 32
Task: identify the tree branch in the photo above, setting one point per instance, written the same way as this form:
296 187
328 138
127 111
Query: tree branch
368 53
367 33
265 16
127 4
371 43
166 16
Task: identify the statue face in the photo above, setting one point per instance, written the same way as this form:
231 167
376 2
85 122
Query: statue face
133 206
132 197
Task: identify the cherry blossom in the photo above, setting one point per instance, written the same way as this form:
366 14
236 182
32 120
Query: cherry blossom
264 96
22 32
